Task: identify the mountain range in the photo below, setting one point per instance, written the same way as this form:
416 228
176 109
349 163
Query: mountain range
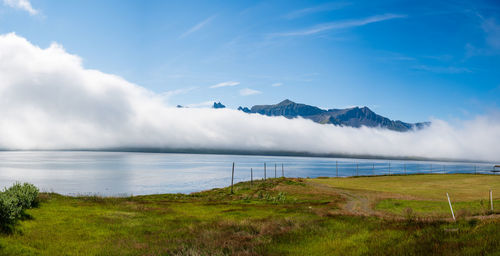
353 117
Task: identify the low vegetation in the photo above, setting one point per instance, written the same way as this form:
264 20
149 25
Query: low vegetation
332 216
14 201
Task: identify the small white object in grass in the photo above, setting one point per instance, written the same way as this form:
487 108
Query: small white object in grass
451 208
491 200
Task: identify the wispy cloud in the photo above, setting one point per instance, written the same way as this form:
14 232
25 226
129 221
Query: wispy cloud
492 30
443 70
471 51
315 9
168 94
225 84
393 56
277 84
197 26
248 92
21 4
443 57
342 25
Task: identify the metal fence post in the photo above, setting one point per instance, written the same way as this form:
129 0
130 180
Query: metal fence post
491 200
451 208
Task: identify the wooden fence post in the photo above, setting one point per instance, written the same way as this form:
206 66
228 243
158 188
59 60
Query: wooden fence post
264 171
451 208
232 179
251 176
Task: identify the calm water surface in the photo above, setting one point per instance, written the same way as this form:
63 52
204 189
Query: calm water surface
123 173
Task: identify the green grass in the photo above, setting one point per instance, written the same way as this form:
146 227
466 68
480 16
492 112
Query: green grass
277 217
436 208
347 235
213 222
461 187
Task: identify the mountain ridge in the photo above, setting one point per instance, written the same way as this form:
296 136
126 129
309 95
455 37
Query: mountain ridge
352 117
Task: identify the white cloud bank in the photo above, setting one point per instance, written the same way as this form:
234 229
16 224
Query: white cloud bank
21 4
49 101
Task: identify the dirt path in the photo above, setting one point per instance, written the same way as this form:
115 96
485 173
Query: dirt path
362 203
356 203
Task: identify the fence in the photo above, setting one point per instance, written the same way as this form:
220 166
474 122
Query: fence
364 168
346 169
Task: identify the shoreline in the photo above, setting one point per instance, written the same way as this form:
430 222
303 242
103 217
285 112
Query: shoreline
230 152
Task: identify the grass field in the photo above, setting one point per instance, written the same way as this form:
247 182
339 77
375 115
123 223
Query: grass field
461 187
425 194
339 216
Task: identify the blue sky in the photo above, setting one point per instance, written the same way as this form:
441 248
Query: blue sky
408 60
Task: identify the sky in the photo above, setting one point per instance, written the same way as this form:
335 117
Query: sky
407 60
109 74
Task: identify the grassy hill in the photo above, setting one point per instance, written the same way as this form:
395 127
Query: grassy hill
360 215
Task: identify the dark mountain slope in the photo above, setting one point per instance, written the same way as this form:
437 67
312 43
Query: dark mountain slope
353 117
287 108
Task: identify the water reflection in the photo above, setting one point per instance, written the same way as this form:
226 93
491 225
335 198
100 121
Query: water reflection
122 173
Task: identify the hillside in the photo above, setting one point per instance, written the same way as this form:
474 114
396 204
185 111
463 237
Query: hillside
353 117
387 215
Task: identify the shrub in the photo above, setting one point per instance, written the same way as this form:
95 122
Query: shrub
14 200
10 209
26 194
281 198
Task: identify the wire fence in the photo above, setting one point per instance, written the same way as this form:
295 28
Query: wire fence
359 168
402 168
